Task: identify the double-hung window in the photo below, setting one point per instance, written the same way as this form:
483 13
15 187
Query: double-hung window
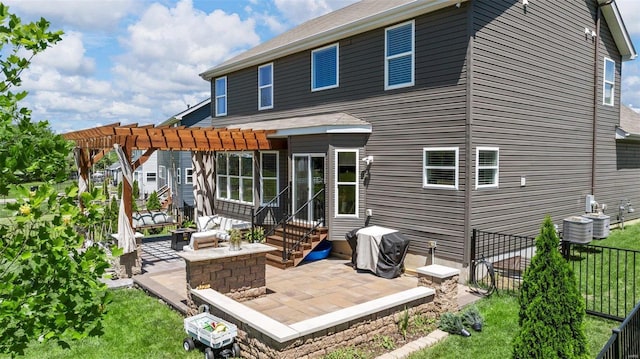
399 56
487 166
265 87
188 175
324 68
346 183
235 176
609 81
440 167
151 176
178 175
269 176
221 96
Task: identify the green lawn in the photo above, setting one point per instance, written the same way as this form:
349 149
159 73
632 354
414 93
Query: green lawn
501 324
136 326
608 271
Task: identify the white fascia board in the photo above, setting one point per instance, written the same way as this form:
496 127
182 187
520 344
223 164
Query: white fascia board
317 130
376 21
619 32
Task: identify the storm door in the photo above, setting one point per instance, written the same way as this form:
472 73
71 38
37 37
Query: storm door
308 179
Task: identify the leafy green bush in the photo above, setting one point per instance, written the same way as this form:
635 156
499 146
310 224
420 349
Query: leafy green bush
135 190
551 315
452 323
153 202
472 318
50 286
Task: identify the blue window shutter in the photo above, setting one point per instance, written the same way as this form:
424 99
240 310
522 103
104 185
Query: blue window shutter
399 40
400 70
325 69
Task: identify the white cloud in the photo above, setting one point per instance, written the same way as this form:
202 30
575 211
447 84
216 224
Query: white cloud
299 11
80 14
67 56
168 47
151 75
630 10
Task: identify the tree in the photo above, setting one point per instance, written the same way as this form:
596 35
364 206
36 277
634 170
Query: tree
28 150
551 315
135 190
50 286
153 203
120 190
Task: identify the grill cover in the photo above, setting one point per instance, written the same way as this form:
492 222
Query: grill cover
393 248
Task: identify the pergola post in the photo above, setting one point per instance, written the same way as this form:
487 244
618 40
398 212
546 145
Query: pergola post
204 189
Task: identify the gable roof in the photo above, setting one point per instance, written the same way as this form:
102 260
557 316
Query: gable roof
178 117
368 15
354 19
619 32
629 122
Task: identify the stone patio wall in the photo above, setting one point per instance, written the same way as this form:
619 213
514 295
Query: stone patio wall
239 277
256 345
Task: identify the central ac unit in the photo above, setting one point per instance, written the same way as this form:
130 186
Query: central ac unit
600 224
577 229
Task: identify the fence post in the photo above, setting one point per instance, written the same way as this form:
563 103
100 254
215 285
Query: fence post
565 249
617 346
474 238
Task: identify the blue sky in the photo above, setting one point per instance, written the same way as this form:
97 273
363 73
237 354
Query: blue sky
137 61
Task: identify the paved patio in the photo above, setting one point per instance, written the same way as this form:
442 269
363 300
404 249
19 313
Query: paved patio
295 294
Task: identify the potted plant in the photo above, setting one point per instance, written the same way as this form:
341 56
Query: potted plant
188 224
255 235
452 323
235 237
471 317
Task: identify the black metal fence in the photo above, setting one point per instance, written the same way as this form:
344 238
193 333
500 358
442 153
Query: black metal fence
606 276
624 341
509 254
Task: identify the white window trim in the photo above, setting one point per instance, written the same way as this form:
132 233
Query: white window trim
146 176
162 172
262 202
605 82
187 176
260 107
313 77
239 176
495 167
424 167
179 175
226 99
413 56
336 184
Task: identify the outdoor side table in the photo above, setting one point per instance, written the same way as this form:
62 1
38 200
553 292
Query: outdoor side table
180 237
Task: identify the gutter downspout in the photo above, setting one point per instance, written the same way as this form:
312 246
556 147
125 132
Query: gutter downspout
595 101
468 139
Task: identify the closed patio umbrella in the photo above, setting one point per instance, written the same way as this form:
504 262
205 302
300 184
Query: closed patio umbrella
126 236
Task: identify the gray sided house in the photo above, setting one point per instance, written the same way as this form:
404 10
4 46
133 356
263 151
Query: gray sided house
434 118
175 168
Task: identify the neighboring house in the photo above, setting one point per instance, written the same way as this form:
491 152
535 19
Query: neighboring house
147 174
175 167
434 118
